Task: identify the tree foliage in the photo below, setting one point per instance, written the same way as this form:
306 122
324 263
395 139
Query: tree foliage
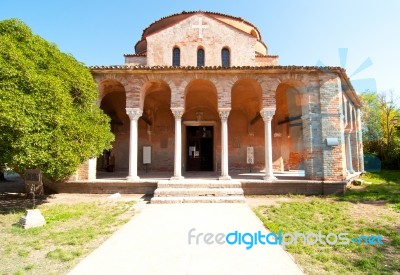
372 130
380 133
48 117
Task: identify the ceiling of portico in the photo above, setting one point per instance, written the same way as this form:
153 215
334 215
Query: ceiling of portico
247 97
108 86
157 97
201 93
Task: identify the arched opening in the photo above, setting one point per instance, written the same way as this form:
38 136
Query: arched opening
246 128
200 57
156 127
112 102
287 128
201 135
176 57
225 57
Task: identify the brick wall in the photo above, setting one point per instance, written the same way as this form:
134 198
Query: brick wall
332 127
216 36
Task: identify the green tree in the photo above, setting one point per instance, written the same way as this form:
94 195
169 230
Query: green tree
380 135
372 130
48 117
388 112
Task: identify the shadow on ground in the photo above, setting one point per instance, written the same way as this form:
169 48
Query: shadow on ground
17 202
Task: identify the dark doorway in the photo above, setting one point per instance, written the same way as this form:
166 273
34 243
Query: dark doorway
200 148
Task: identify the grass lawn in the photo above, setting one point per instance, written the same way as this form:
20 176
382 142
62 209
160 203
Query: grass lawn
72 231
371 209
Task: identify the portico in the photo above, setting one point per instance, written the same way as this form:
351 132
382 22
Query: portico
201 93
194 111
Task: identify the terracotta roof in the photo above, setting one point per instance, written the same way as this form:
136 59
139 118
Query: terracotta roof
186 14
200 11
135 54
210 68
265 55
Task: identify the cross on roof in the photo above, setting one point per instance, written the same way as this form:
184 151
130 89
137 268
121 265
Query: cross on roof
200 26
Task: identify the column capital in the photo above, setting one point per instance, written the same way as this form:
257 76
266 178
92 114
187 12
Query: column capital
134 113
224 113
267 113
178 112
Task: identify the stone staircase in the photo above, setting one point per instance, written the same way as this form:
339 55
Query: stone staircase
198 191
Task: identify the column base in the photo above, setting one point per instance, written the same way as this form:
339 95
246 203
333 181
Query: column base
225 177
177 178
351 171
270 178
132 178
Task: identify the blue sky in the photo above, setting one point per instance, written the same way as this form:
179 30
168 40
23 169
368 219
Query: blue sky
308 32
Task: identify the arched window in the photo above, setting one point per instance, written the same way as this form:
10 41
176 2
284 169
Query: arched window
176 57
226 57
200 58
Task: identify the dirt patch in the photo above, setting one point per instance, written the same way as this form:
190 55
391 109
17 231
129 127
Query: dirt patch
374 212
10 202
78 198
255 201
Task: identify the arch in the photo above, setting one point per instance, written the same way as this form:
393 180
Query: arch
157 92
301 89
247 96
287 126
201 93
109 85
112 100
156 125
202 121
113 104
176 56
155 86
200 57
246 128
225 57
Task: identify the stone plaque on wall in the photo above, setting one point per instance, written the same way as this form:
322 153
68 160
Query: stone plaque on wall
146 154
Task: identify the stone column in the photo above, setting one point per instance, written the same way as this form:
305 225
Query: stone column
349 154
360 142
224 113
92 167
178 112
134 114
357 142
348 133
267 114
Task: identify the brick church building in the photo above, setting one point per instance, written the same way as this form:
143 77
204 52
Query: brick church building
202 93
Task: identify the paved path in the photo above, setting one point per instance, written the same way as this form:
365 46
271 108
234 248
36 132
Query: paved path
155 241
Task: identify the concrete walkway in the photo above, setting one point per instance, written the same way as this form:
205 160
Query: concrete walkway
156 241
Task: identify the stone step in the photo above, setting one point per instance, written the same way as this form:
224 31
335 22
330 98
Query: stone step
229 199
190 192
199 184
198 191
